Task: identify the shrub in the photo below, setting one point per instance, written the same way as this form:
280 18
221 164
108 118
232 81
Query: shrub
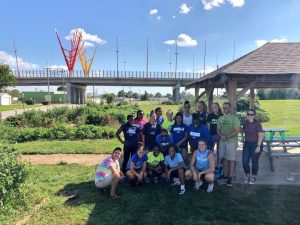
12 174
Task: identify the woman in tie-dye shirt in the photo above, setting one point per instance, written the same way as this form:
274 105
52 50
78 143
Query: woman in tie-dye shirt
109 173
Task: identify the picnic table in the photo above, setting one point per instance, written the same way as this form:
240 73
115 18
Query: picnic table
272 141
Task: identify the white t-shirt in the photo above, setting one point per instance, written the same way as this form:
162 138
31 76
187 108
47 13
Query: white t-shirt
187 120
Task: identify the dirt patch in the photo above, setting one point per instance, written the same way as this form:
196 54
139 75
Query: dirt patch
53 159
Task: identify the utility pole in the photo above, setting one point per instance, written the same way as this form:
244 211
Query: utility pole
117 51
176 54
147 60
204 58
170 63
17 63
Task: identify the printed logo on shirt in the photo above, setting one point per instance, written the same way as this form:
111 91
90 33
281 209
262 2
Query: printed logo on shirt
178 129
131 131
195 134
214 121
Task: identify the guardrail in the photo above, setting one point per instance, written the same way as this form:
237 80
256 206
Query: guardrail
106 74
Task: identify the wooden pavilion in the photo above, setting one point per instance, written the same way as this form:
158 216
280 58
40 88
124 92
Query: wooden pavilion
274 65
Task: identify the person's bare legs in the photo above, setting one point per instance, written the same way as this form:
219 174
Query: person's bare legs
114 184
226 167
231 167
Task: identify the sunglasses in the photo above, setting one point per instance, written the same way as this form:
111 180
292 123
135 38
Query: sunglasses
249 114
187 107
225 107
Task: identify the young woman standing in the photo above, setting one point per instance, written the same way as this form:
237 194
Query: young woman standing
252 146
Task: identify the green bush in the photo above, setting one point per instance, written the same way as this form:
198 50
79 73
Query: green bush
12 174
60 132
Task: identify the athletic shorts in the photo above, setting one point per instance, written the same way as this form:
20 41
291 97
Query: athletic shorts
106 181
228 150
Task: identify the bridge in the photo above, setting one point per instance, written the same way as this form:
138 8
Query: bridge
77 82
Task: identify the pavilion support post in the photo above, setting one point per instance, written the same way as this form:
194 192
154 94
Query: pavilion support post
231 93
252 98
209 91
196 93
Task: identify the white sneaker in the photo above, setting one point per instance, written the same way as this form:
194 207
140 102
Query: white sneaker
198 184
175 181
182 191
210 187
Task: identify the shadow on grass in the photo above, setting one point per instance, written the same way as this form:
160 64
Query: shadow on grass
161 204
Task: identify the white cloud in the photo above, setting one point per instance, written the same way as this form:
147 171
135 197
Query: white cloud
57 67
260 43
88 44
184 9
236 3
209 4
153 11
183 40
11 61
91 38
158 17
173 17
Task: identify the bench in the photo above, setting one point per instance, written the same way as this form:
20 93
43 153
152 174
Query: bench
288 142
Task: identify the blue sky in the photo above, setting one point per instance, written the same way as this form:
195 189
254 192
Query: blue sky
248 23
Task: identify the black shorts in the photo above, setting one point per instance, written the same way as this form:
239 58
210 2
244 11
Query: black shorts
154 173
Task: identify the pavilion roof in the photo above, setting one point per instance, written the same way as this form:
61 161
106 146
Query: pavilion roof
272 65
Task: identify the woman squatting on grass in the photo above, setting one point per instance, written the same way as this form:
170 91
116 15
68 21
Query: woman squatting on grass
202 165
136 170
109 173
174 169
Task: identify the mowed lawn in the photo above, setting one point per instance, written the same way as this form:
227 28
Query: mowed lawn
17 106
283 114
86 146
66 194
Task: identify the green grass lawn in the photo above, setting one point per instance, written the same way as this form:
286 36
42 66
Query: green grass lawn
283 114
17 106
147 106
151 204
81 146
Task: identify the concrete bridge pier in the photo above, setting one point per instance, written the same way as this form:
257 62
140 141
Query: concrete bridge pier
76 93
176 93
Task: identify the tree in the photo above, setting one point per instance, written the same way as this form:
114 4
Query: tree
61 88
109 97
121 93
169 96
145 96
158 95
6 77
135 95
15 93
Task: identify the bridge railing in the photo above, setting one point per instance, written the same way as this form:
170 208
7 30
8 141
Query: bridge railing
109 74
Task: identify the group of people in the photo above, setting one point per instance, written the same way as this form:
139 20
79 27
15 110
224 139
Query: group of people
158 149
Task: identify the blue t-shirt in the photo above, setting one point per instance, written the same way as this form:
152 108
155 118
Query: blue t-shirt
138 162
172 163
164 142
202 162
130 134
178 132
197 133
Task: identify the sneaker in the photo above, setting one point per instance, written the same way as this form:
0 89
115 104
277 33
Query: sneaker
175 182
252 180
246 180
210 187
198 184
182 191
229 182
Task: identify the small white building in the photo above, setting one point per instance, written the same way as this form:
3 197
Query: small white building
5 99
